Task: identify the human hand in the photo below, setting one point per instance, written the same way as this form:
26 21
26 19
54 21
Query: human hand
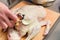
5 16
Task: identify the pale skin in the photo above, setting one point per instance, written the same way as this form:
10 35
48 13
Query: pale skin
5 16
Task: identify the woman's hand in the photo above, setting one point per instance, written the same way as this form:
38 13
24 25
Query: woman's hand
5 16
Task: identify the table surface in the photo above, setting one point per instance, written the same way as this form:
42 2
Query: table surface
51 15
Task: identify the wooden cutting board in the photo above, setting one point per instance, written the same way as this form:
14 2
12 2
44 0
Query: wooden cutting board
51 15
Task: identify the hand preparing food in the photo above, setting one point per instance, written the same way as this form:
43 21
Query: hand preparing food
30 21
50 16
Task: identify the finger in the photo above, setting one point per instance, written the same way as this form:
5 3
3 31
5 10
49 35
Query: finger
8 12
11 15
6 20
3 24
13 23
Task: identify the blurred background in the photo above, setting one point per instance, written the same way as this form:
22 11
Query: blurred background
55 6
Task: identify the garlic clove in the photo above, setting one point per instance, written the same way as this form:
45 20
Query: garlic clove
26 21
